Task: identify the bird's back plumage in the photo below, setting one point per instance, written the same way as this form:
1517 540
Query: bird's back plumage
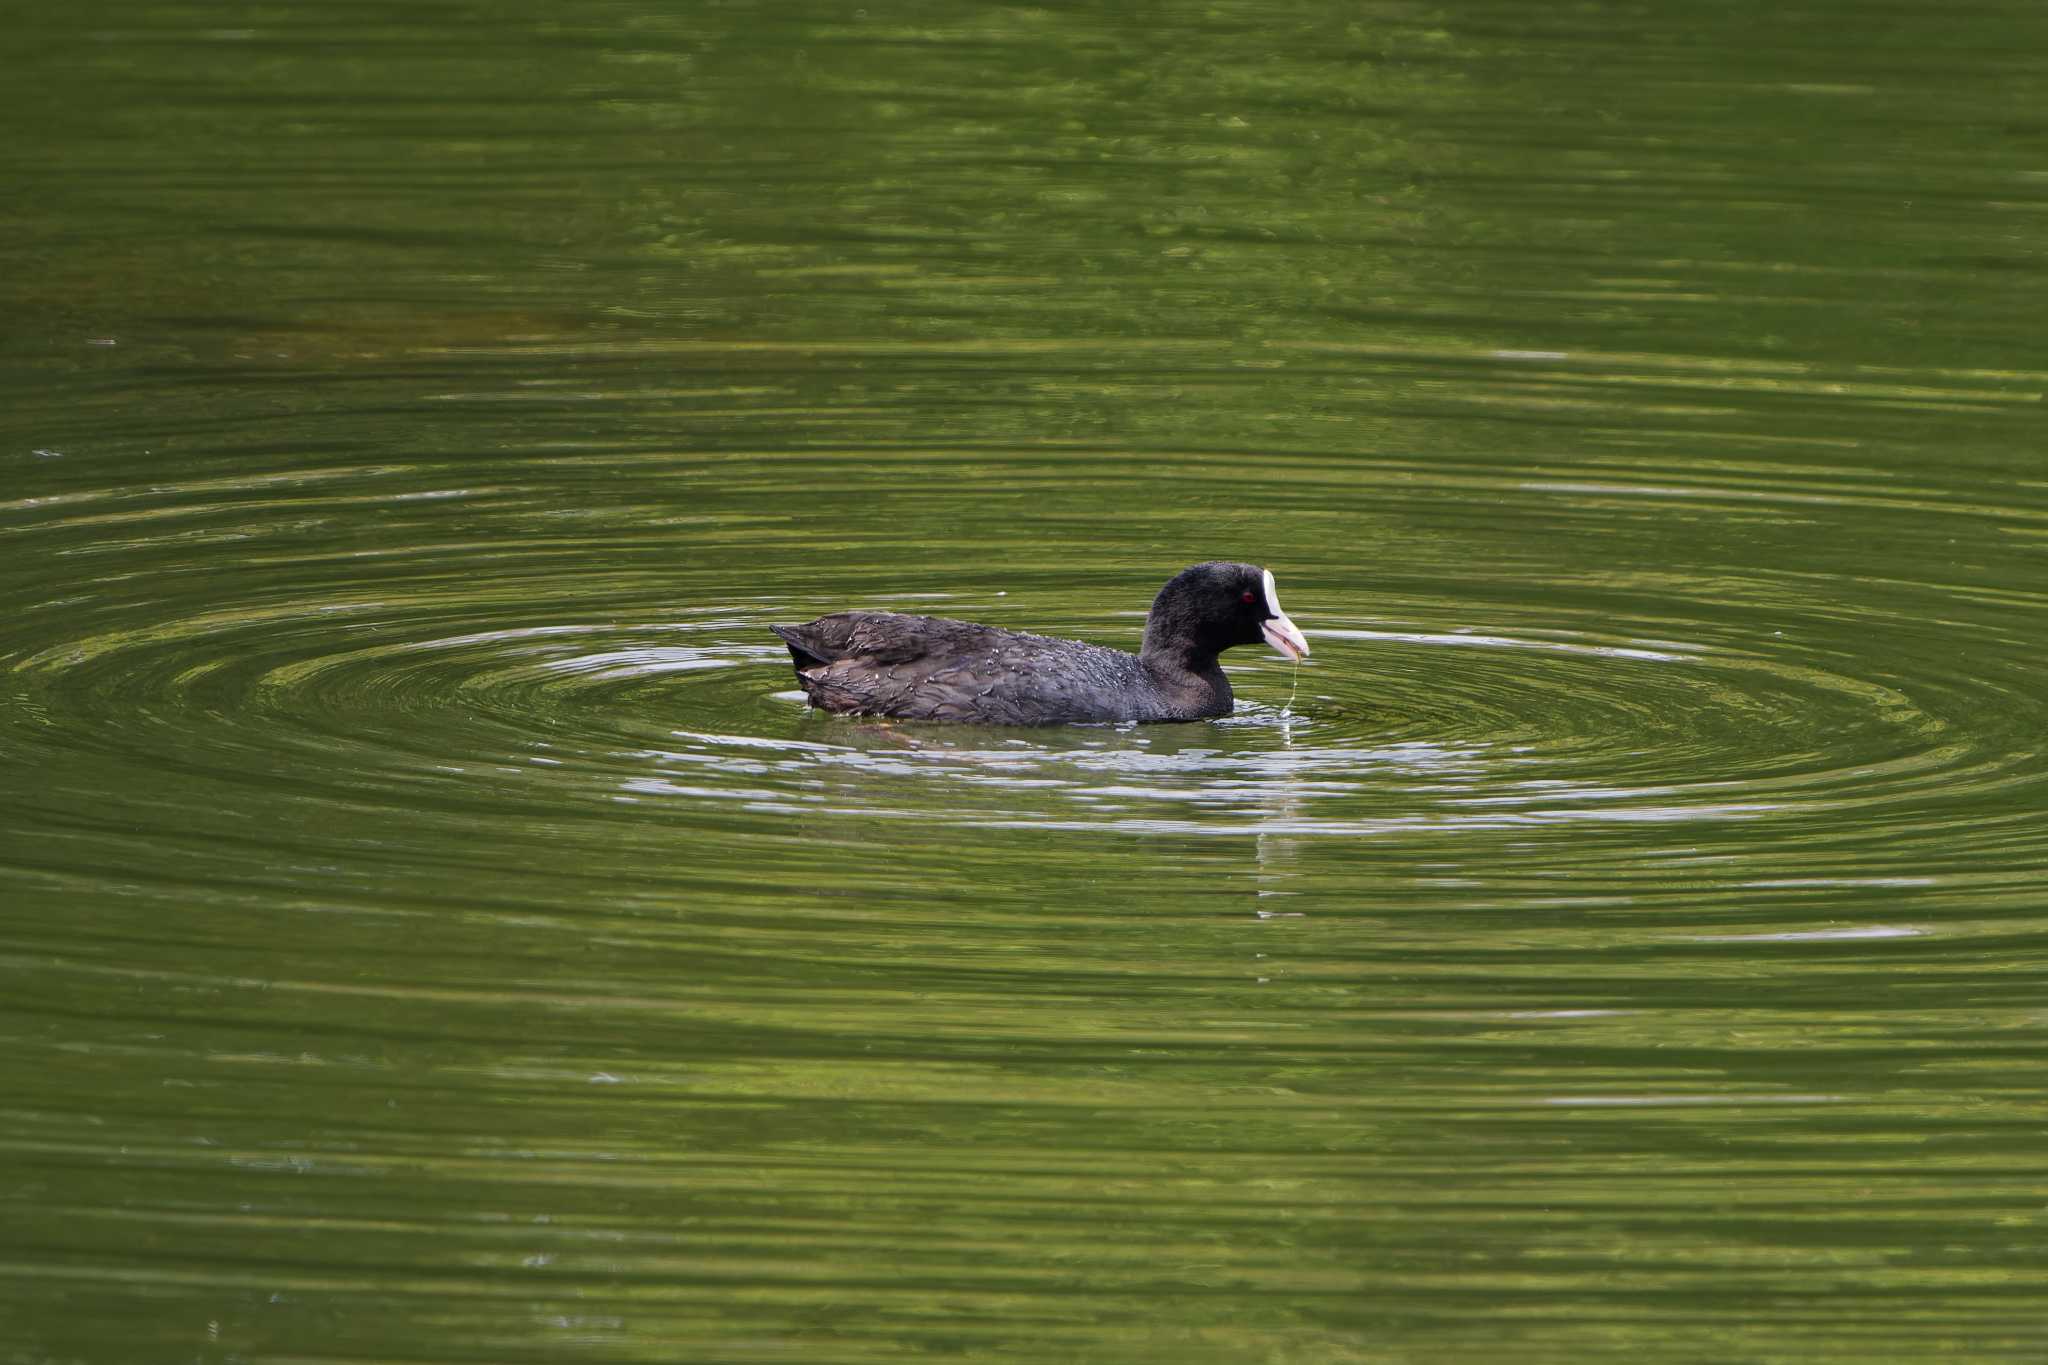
934 668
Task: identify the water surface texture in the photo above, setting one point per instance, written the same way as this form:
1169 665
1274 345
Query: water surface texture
434 930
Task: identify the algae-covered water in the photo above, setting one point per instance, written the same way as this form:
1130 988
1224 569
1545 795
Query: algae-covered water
432 929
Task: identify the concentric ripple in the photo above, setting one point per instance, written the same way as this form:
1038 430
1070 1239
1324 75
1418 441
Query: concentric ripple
491 680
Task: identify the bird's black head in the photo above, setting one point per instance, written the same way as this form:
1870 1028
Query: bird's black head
1205 610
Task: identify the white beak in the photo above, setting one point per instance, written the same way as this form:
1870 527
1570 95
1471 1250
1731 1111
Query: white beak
1285 636
1280 632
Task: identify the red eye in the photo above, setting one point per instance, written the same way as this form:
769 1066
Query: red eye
1249 599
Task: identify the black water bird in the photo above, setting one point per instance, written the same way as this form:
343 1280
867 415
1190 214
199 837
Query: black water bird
876 663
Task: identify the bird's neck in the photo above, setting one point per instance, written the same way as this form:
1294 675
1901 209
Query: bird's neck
1192 682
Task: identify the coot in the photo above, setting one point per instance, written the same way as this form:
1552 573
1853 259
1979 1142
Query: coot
877 663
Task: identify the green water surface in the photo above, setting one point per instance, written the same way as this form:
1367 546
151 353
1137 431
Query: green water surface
432 928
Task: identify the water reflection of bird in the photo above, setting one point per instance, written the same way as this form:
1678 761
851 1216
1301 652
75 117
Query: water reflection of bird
930 668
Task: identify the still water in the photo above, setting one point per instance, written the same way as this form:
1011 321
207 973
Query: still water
433 929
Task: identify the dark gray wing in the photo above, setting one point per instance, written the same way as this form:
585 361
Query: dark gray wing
932 668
